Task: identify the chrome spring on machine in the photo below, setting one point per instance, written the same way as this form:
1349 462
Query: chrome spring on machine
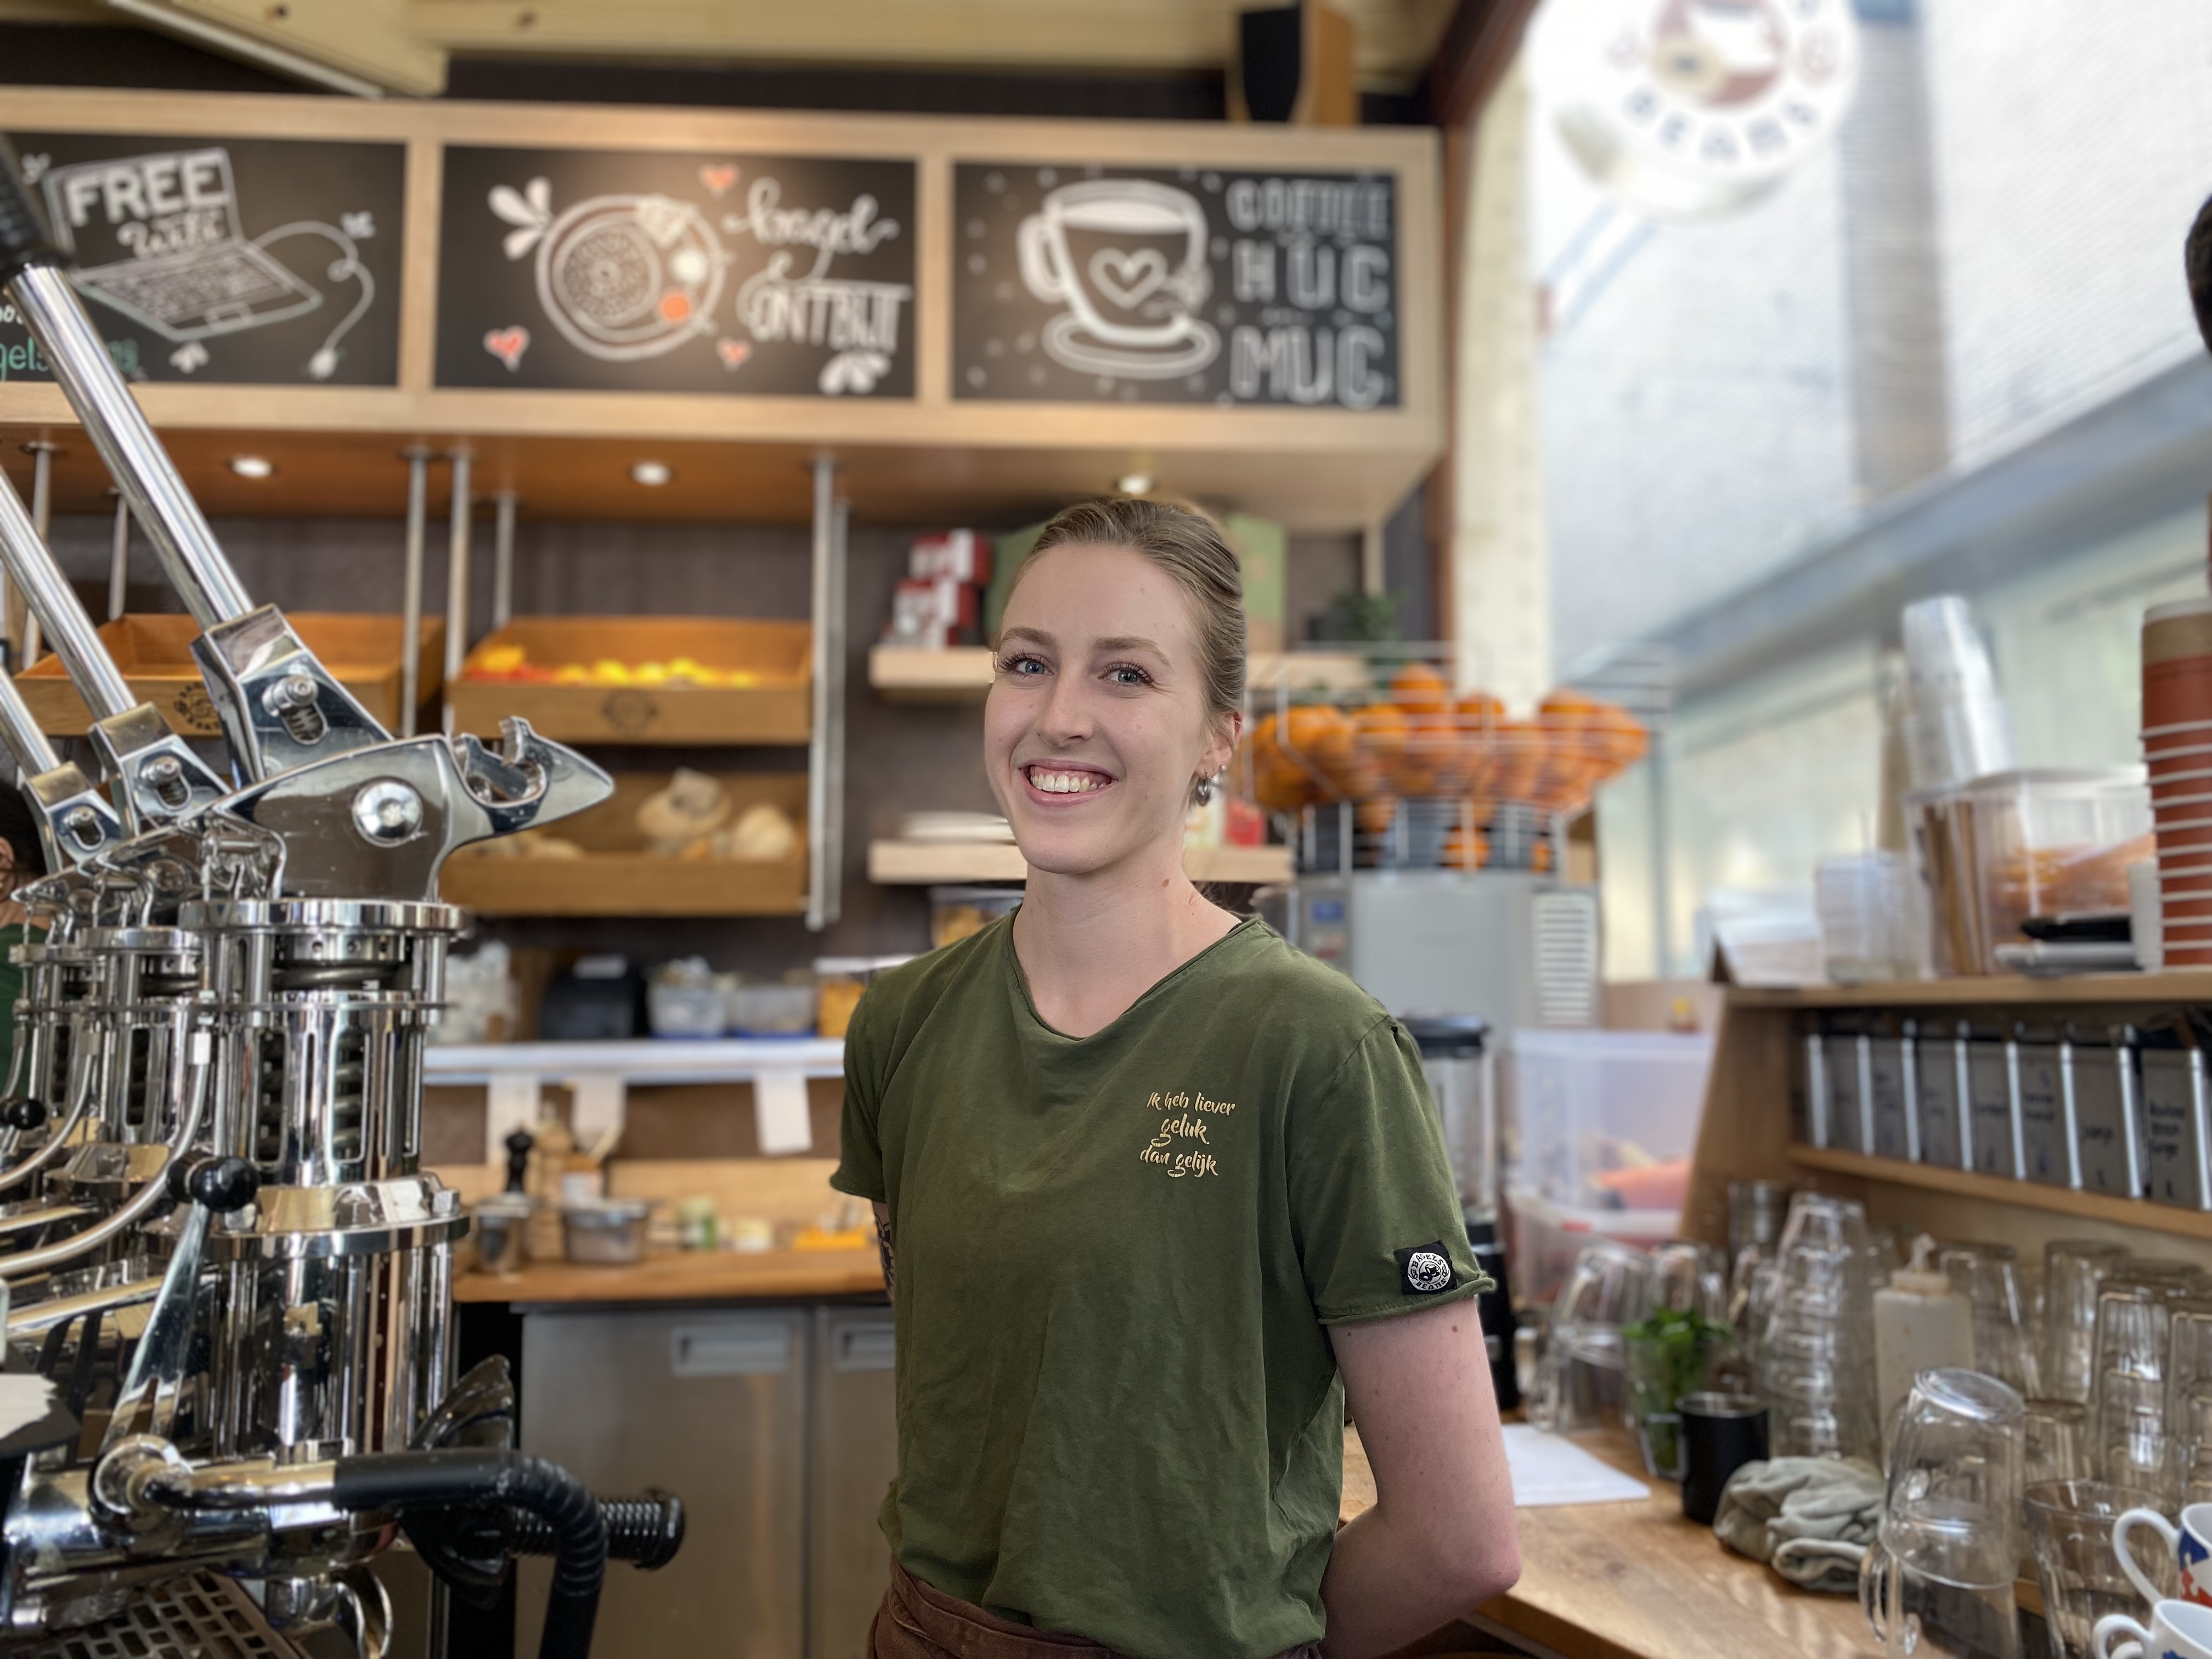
220 1254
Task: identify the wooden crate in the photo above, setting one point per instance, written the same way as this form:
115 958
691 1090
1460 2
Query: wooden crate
618 878
777 709
154 654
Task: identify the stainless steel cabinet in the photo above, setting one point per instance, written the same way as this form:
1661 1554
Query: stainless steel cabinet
711 1404
854 1446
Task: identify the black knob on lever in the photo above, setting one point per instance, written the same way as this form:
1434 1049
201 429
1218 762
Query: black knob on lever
23 1113
23 237
221 1184
518 1159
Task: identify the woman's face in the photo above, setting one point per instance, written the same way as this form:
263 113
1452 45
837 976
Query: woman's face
1097 724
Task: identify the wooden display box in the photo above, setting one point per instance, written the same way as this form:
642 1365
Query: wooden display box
776 708
617 878
154 653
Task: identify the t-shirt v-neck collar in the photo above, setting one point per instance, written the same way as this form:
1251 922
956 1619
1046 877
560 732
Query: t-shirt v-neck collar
1033 1024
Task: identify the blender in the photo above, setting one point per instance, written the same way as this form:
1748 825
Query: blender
1457 1062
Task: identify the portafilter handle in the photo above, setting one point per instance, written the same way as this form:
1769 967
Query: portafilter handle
31 277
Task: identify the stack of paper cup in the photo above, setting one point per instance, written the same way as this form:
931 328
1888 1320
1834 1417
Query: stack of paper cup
1955 725
2177 718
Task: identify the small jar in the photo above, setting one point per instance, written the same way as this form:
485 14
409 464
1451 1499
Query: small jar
838 983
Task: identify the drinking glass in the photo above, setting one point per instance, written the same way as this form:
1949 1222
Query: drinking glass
2195 1453
2070 1527
2055 1441
1815 1353
1988 1276
2131 1449
1690 1276
2131 1329
1938 1579
1579 1378
2073 1269
2188 1373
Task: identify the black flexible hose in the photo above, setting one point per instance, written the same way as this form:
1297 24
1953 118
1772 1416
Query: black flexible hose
646 1531
401 1480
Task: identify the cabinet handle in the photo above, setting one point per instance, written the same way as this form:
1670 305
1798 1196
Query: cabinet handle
761 1350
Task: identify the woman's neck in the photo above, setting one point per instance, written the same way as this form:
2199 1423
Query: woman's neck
1089 945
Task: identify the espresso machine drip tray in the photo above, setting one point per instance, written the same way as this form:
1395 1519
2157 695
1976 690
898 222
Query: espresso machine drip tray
204 1614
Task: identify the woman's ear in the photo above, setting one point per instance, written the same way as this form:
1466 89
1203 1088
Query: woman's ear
1222 749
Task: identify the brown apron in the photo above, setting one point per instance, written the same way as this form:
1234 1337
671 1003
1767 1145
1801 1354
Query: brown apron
918 1622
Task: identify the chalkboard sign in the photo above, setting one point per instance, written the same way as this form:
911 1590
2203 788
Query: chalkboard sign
1186 286
630 271
245 261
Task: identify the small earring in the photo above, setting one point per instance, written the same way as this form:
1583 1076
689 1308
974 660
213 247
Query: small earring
1203 790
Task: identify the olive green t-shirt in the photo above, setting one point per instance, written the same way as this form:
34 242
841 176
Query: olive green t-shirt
1119 1413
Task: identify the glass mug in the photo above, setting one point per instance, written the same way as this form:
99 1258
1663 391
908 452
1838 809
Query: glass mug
2070 1522
1938 1580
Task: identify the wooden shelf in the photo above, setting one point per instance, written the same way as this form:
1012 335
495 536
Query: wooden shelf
626 884
2027 1194
937 864
904 673
962 674
2180 985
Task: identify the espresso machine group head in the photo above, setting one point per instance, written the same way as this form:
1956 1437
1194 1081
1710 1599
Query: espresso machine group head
222 1258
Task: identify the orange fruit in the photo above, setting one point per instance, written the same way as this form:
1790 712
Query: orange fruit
1382 730
1479 712
1419 689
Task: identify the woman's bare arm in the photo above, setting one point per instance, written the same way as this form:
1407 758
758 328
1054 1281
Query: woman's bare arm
1441 1538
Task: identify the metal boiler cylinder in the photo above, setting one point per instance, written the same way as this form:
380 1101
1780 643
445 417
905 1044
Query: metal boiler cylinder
333 1329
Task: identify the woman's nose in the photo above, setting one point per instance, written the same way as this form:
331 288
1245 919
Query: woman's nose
1066 716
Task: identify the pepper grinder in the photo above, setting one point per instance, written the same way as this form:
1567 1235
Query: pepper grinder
518 1145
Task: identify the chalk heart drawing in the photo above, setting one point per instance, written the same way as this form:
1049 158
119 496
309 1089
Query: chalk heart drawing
732 352
507 344
718 176
1129 279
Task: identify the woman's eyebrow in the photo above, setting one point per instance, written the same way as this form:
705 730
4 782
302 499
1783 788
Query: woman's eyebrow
1035 634
1128 642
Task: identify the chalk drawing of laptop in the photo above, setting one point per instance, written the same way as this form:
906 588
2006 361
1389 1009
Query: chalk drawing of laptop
157 237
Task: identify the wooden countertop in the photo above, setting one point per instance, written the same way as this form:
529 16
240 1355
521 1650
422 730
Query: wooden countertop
1636 1580
684 1276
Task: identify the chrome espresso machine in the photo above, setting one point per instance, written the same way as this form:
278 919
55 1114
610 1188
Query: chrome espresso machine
227 1277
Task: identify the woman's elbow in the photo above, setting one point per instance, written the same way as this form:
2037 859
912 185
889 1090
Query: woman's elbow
1482 1564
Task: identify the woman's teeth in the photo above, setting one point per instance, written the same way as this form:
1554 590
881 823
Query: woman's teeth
1068 783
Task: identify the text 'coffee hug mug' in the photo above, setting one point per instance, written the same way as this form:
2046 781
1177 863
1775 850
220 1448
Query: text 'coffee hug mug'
2192 1543
2179 1630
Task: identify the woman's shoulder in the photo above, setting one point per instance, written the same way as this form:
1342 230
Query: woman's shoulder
1288 989
918 984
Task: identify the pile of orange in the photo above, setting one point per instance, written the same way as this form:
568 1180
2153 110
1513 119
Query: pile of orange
1421 743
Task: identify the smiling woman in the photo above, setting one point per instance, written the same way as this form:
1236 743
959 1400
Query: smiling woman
1161 1194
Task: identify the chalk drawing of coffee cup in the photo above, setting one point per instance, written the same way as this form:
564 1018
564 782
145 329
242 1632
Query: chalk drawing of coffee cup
622 277
1128 257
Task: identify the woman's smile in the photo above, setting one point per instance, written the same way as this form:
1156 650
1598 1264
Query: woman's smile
1060 783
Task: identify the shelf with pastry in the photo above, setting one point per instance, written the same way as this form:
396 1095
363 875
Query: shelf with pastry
683 844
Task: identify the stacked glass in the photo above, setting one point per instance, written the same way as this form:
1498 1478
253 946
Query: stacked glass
1816 1346
1988 1276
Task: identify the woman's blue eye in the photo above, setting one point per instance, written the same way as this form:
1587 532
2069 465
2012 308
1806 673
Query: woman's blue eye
1019 666
1127 676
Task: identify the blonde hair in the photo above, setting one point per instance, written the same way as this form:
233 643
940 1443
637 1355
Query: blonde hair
1189 547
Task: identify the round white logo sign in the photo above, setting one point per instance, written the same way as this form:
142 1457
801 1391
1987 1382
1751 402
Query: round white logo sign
1427 1270
1690 108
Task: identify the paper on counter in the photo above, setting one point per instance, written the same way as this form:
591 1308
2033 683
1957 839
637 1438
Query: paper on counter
780 1113
1548 1469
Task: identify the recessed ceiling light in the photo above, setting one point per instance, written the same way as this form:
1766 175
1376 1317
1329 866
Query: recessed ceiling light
651 474
251 466
1134 483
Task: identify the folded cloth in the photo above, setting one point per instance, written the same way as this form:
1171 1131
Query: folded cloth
1809 1518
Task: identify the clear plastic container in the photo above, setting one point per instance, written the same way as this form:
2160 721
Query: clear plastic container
778 1008
1861 898
1606 1120
2019 844
683 1001
1601 1126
